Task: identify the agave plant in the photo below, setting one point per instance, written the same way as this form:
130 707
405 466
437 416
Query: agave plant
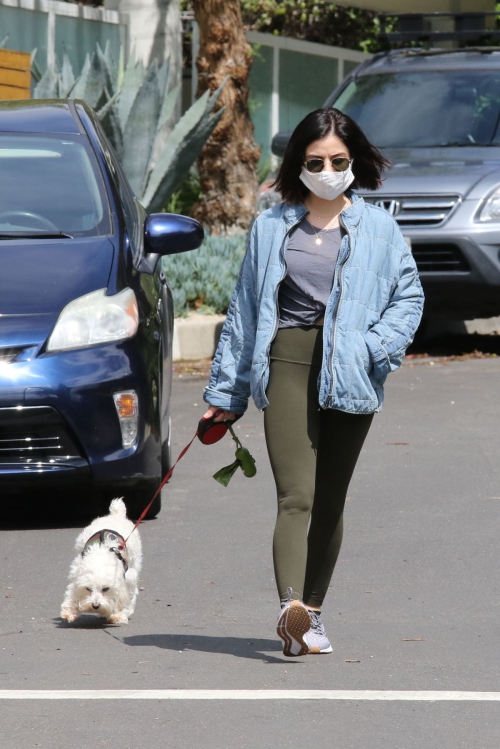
137 110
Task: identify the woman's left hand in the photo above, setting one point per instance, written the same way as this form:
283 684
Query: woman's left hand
222 416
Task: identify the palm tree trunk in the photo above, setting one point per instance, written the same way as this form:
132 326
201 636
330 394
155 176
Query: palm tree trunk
228 163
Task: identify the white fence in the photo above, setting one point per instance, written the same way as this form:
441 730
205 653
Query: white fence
53 27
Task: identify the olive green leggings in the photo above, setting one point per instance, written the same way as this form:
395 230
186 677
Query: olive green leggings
313 453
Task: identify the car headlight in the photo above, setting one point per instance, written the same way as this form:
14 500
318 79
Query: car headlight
491 208
95 318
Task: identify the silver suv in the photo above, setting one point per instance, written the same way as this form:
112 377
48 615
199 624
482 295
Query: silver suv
436 115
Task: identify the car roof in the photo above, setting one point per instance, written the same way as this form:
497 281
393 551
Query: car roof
416 59
39 116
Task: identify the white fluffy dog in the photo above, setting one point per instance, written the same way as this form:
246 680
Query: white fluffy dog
103 578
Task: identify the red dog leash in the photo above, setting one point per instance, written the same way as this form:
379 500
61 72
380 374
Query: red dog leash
164 481
208 432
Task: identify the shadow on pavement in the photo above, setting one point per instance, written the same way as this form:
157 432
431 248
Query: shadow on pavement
37 511
241 647
85 621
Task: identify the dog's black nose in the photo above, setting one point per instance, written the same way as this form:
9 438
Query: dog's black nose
95 605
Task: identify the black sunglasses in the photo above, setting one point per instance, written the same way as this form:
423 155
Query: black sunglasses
316 165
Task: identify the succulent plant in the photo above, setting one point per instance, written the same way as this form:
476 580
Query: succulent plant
137 110
204 280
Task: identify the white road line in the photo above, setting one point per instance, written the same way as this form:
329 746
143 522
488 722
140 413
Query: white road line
246 694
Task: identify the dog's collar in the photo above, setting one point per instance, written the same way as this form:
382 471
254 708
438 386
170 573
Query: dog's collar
112 541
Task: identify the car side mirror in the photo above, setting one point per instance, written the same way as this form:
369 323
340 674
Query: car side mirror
168 234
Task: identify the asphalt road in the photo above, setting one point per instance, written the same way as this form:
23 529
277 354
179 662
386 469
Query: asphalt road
414 603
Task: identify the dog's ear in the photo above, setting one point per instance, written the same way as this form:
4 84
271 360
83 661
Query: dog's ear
131 576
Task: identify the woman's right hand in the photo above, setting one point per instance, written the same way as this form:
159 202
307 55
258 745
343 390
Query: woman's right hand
222 415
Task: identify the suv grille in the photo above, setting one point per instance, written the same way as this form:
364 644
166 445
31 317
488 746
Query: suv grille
439 258
37 438
417 210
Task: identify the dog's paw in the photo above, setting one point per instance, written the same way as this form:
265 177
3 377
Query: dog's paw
68 615
119 618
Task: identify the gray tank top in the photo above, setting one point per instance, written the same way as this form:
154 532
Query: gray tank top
304 291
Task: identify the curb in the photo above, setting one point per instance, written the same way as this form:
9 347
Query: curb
196 336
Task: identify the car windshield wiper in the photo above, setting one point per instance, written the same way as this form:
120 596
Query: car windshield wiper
34 235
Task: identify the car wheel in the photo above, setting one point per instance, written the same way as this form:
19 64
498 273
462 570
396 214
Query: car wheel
422 330
166 450
137 499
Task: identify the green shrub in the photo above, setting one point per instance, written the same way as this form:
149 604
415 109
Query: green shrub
204 279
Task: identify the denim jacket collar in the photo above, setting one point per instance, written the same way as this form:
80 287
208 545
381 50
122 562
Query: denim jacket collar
351 215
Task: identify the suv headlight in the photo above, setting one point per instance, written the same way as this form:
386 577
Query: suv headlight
491 209
95 318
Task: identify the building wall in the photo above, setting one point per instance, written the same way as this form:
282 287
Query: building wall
290 78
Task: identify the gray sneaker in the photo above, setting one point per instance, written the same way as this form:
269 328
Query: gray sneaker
293 622
315 637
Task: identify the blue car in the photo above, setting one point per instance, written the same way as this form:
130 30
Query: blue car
86 314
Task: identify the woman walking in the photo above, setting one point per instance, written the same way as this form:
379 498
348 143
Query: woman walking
327 301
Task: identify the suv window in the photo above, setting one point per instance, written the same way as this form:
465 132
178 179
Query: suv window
426 108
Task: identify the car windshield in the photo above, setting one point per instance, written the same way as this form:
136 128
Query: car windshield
431 108
51 186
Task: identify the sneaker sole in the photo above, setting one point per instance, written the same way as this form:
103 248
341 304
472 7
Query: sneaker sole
316 651
293 623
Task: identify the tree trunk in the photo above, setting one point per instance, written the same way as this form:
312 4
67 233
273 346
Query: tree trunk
228 163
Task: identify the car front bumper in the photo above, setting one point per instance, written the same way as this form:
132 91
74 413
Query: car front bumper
458 264
58 420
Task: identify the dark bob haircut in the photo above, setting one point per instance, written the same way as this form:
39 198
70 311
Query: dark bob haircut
368 162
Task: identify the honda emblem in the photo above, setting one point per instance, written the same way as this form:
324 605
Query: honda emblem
391 206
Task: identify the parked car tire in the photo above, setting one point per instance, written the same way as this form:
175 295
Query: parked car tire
421 334
138 497
135 497
166 451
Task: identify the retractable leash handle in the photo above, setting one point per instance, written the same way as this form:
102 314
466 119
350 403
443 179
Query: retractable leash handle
210 431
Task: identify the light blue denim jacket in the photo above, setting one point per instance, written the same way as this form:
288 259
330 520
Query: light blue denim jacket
371 317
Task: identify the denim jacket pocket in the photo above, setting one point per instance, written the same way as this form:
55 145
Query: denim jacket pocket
364 352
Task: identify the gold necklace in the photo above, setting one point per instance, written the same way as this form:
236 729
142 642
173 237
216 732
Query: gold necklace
329 217
319 237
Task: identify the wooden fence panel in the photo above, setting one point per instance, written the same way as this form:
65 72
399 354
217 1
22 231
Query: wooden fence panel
15 75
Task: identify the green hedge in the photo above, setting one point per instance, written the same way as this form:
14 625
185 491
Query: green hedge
204 279
313 20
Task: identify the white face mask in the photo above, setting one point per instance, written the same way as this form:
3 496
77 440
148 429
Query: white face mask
327 185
